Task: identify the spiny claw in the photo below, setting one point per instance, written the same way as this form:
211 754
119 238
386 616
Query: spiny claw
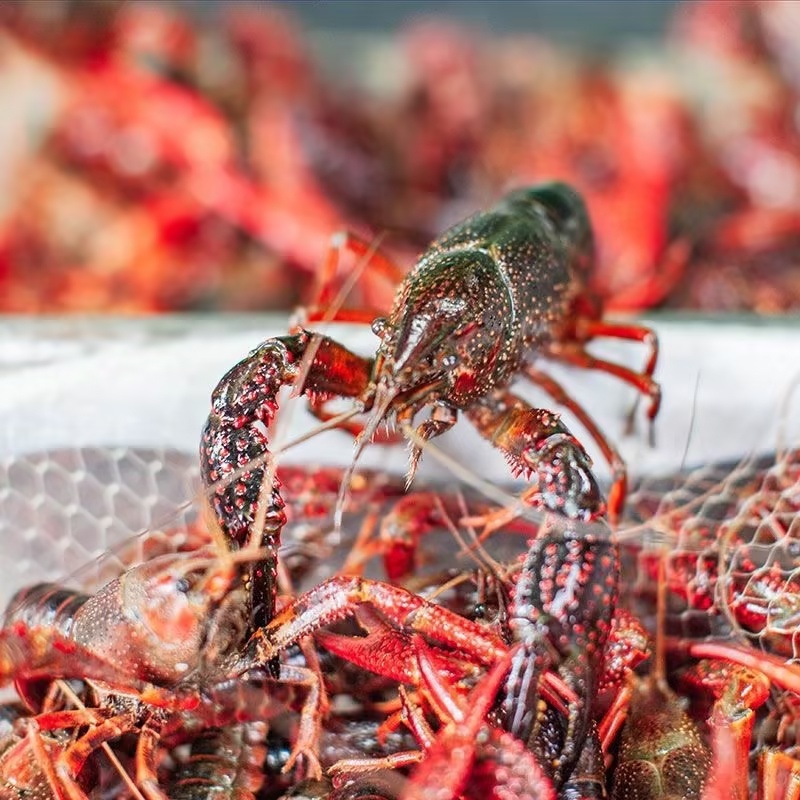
565 480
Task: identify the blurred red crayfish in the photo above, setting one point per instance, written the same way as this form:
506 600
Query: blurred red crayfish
486 300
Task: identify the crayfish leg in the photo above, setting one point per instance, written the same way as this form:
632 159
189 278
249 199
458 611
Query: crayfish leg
468 752
72 760
390 652
778 776
62 771
575 354
339 597
598 328
147 757
627 646
234 452
328 294
306 746
739 691
354 766
652 289
442 418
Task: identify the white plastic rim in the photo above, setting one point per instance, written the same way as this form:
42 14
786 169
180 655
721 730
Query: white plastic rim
127 400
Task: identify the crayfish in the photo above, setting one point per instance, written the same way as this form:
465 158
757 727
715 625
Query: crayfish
487 299
158 648
514 680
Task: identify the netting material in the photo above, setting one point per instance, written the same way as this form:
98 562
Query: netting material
60 510
729 534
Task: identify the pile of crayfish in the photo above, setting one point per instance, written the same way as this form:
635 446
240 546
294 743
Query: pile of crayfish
319 635
451 673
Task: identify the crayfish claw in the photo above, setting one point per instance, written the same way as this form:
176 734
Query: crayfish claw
565 481
535 441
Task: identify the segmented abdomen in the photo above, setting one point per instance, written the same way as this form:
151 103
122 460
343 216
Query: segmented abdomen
223 763
45 605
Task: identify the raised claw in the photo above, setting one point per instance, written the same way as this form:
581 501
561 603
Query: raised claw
564 479
234 450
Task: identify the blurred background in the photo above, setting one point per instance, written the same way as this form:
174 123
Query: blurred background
198 156
584 22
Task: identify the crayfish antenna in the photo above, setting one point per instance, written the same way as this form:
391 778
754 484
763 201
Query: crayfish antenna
381 405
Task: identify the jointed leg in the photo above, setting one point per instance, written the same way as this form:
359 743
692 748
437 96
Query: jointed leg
62 775
390 652
586 329
72 760
325 301
401 527
339 597
597 328
307 743
778 776
147 756
467 744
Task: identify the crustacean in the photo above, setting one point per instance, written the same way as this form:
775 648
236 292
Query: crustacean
748 515
462 652
731 566
486 299
152 650
720 545
153 645
222 762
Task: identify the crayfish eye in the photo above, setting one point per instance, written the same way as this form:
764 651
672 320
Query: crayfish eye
182 585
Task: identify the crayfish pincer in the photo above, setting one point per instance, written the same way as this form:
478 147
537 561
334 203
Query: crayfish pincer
484 302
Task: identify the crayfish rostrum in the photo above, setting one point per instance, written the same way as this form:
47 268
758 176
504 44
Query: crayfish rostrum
487 299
